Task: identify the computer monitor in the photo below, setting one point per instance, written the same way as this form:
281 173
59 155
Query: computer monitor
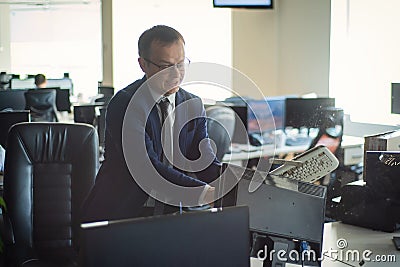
240 135
306 112
197 239
106 90
12 99
16 84
277 106
280 208
395 98
8 119
64 83
259 117
63 102
267 4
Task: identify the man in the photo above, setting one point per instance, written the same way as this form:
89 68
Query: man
117 193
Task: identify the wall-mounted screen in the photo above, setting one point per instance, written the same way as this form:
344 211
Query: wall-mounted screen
244 3
395 101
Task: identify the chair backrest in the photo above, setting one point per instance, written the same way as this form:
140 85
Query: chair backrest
330 132
220 127
42 104
49 170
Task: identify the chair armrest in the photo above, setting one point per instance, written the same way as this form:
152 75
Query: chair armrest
6 230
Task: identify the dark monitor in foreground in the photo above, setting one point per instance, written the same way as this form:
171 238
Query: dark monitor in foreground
8 119
306 112
240 135
195 239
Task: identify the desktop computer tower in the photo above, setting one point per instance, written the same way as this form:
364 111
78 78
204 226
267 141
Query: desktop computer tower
375 205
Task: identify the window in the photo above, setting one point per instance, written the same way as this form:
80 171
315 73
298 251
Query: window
58 39
365 58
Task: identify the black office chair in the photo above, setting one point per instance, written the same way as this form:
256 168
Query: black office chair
42 104
220 128
49 170
330 132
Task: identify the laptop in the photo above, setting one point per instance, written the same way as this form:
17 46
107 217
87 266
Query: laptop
205 238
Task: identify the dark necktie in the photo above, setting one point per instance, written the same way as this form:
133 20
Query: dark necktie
164 103
166 135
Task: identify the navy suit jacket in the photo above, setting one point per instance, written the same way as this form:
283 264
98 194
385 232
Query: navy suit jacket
116 194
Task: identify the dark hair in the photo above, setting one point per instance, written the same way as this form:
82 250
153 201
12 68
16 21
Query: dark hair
161 33
39 79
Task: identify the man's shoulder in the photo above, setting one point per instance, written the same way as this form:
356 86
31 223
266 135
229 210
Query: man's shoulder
186 95
132 88
126 93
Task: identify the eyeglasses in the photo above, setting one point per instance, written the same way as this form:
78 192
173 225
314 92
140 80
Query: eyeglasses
180 66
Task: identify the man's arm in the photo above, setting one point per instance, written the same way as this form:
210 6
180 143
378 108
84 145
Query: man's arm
212 171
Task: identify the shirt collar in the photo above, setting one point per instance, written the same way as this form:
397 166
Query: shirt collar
157 97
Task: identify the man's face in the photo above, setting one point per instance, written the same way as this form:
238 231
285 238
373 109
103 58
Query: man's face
161 61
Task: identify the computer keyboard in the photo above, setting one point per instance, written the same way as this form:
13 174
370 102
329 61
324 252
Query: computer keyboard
315 164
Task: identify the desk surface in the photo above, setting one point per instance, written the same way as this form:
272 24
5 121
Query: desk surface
246 152
347 242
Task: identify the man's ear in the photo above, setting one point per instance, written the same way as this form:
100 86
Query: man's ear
142 64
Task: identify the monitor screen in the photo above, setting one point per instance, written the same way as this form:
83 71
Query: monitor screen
62 100
244 3
259 117
12 99
22 84
8 119
64 83
395 103
277 106
239 135
306 112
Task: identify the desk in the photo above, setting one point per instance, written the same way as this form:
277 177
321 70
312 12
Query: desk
252 152
352 147
359 240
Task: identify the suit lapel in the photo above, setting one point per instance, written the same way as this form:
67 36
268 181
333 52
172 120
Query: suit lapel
155 128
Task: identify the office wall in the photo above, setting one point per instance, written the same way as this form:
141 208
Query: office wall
5 52
284 50
207 33
107 43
